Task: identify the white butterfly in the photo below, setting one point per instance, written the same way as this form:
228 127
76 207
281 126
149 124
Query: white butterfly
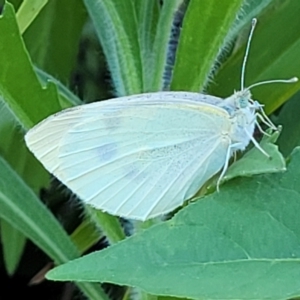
142 156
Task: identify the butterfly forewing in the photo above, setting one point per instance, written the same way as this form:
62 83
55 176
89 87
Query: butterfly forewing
143 160
44 139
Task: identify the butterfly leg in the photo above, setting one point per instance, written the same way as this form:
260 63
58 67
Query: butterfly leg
254 120
266 122
262 115
228 154
260 129
256 144
265 119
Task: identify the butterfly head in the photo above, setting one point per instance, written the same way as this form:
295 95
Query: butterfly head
242 99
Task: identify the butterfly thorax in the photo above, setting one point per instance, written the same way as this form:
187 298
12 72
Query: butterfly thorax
243 127
242 115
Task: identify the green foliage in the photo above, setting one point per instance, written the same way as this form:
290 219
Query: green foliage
21 208
54 49
13 242
241 243
201 41
279 60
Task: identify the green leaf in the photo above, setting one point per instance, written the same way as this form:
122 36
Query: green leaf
19 86
116 26
289 119
200 41
254 162
13 243
58 28
28 11
86 235
23 210
161 46
241 243
250 9
147 13
110 225
66 97
13 148
274 54
97 225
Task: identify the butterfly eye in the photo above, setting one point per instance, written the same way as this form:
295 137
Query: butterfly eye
243 102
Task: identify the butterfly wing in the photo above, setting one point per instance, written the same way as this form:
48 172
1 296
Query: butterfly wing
138 160
44 139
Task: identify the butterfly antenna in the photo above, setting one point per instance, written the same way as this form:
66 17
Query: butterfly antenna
253 24
291 80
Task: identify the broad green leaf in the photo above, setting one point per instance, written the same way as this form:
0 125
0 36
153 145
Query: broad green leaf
116 26
274 54
290 121
28 11
19 86
23 210
53 38
13 243
241 243
205 26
